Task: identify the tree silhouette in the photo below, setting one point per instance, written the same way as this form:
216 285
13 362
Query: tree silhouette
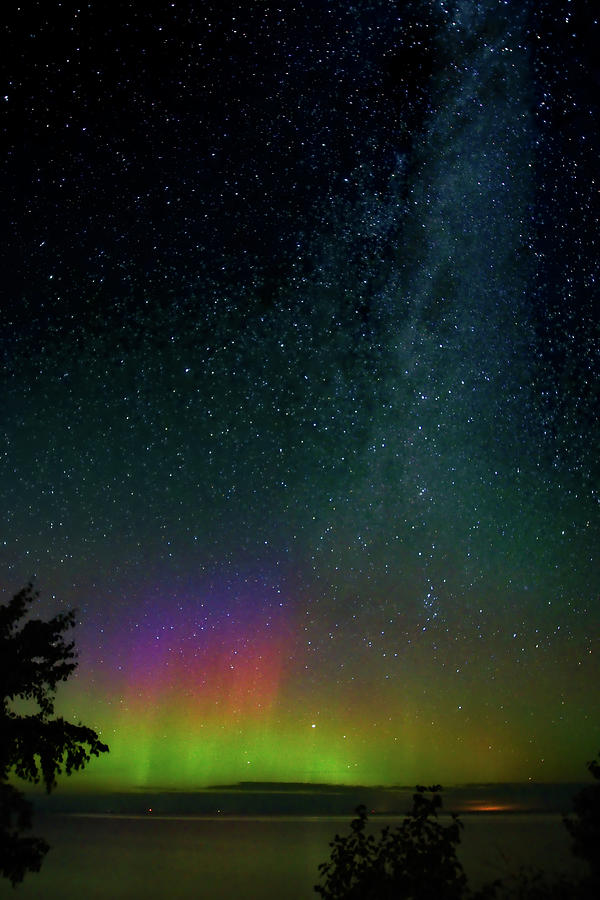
417 859
34 658
584 828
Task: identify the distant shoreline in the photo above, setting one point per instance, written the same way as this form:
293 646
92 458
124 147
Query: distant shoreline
374 818
297 799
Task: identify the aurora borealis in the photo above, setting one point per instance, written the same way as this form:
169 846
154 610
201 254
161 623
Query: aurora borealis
300 377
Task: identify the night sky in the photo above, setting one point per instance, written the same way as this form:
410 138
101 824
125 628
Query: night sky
300 383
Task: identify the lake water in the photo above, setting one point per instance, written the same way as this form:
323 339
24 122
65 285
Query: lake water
126 858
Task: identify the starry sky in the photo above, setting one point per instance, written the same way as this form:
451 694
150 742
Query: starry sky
299 383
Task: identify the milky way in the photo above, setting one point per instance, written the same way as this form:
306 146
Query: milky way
300 397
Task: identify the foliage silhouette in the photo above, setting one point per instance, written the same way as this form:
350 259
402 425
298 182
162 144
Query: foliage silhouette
34 658
585 827
417 859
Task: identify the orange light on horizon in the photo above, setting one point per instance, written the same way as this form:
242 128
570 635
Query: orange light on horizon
492 807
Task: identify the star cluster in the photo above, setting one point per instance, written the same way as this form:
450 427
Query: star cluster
300 388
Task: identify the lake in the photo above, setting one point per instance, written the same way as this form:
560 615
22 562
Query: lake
256 858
